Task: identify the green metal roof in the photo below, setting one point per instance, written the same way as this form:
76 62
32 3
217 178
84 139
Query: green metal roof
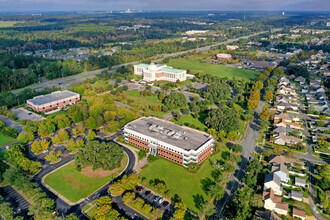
143 65
171 70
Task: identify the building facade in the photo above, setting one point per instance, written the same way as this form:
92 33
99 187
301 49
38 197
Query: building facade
160 72
55 100
178 144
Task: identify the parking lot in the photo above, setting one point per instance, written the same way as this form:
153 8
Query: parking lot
18 203
23 114
154 199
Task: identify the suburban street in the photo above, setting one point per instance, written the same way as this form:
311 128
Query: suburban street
249 144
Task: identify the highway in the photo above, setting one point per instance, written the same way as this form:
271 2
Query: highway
66 81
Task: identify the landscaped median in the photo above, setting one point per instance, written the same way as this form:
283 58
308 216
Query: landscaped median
73 186
141 207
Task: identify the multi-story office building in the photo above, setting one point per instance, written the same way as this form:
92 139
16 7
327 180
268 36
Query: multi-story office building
160 72
58 99
179 144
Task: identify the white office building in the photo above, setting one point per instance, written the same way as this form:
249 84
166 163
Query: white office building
160 72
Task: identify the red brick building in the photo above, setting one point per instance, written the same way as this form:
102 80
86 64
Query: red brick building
178 144
58 99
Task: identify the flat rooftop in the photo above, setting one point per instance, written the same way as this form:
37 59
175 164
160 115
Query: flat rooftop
52 97
168 132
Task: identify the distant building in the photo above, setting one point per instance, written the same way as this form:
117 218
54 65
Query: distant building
192 32
160 72
58 99
181 145
223 56
231 47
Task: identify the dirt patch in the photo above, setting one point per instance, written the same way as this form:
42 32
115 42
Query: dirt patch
88 171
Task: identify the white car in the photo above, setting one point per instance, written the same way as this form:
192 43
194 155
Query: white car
161 200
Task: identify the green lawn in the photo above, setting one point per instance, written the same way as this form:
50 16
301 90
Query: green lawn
142 100
61 112
195 66
179 180
73 185
4 24
91 213
4 140
188 119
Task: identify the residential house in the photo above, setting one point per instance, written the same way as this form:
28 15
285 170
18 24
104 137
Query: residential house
286 117
274 203
298 213
283 139
286 106
284 160
273 181
284 80
283 123
283 130
296 195
301 80
315 83
286 90
300 182
282 171
265 215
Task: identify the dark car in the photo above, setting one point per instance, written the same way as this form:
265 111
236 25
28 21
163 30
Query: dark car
165 204
30 113
147 193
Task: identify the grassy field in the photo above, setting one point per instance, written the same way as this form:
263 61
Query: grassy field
179 180
142 100
183 119
4 140
91 213
4 24
195 66
73 185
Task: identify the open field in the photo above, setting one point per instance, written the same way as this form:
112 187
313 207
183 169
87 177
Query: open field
195 66
179 180
4 140
73 185
4 24
142 100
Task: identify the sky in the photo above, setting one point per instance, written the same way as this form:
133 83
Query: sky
188 5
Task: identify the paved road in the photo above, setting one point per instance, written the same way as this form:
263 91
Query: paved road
311 160
249 144
64 208
66 81
11 123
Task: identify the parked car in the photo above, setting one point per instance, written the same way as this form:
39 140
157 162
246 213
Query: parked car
138 188
165 204
147 193
161 200
156 198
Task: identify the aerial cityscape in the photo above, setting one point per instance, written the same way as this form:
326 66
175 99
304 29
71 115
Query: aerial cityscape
174 110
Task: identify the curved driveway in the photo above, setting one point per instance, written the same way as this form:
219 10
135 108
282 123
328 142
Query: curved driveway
64 208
